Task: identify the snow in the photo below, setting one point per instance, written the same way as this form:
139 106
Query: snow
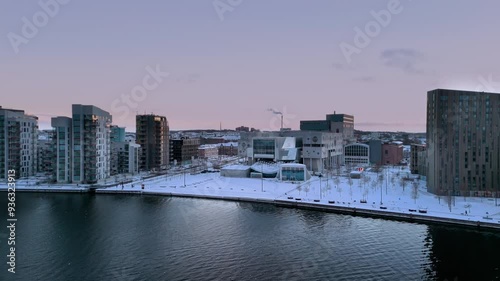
394 197
235 144
265 168
236 167
341 189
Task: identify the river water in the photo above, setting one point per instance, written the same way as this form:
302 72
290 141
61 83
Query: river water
123 237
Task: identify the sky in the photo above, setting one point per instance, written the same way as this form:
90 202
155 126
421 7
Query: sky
210 63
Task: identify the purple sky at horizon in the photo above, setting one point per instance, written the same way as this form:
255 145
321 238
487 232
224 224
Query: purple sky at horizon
282 54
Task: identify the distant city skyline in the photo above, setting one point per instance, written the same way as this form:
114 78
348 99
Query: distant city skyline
200 64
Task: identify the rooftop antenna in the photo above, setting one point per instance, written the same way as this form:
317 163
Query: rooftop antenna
277 112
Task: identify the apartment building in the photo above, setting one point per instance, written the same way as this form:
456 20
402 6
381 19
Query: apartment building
463 142
18 143
152 134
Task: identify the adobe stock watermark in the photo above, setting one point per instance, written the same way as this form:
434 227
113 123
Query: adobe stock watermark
363 37
279 118
487 84
30 28
150 82
223 6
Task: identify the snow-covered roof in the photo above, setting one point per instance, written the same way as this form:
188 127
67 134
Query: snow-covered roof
236 167
265 168
207 146
230 137
292 165
233 143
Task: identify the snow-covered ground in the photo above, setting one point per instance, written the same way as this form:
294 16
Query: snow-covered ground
344 191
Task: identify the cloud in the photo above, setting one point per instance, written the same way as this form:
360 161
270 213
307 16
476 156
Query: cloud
404 59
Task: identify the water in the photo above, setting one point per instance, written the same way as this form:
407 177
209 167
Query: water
110 237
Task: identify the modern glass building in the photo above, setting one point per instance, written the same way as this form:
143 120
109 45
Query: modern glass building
357 154
264 148
83 145
293 172
117 134
63 144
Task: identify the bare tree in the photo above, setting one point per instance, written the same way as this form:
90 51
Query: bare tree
366 180
414 191
438 196
381 179
463 189
449 199
365 194
337 181
328 189
402 181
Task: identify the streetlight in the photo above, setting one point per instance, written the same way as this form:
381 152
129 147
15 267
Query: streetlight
262 176
320 176
184 173
381 196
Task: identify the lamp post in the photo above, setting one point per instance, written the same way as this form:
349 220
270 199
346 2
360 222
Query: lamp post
381 196
184 173
262 177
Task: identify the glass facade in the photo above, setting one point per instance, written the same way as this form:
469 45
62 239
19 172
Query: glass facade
292 174
263 146
356 150
318 125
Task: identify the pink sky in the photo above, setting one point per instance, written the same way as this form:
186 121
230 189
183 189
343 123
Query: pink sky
284 55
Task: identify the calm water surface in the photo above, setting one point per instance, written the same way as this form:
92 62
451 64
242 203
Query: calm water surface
109 237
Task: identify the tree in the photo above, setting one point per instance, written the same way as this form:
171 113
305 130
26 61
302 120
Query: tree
328 189
366 180
365 194
337 181
463 189
403 183
350 182
438 195
381 179
449 199
414 191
